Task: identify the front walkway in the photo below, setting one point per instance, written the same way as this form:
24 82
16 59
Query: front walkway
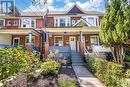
85 78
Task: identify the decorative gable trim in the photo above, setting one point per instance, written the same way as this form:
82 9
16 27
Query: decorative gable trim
82 23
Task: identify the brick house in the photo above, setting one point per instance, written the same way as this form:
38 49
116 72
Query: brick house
74 28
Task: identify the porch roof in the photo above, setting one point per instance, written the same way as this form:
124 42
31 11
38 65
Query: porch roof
19 31
87 29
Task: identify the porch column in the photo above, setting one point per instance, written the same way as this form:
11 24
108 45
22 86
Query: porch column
46 44
30 44
81 44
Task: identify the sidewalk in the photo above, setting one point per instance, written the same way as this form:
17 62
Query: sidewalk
85 78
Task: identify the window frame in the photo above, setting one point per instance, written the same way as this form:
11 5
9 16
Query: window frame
3 23
57 44
95 36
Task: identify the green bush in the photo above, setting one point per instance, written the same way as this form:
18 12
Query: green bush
66 84
108 72
49 67
127 58
15 60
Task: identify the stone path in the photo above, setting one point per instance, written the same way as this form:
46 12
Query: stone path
85 78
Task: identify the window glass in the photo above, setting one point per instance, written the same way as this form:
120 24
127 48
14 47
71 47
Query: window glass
94 40
1 23
62 22
32 23
91 21
59 41
26 22
15 23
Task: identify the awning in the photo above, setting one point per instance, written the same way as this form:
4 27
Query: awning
19 31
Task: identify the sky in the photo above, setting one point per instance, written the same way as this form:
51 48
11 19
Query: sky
26 5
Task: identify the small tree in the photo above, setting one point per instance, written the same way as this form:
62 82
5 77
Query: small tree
115 27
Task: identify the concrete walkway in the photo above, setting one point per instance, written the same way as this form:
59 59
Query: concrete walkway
85 78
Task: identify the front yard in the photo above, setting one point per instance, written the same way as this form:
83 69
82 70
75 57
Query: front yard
19 68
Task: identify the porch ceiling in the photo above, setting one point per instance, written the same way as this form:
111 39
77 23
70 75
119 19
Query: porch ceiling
89 29
19 31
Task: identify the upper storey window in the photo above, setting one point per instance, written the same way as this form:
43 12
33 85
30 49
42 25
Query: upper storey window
28 23
1 23
92 20
62 21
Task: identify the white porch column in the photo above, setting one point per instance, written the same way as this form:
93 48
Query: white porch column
81 36
30 37
47 37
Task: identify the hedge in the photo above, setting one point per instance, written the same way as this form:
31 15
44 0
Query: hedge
110 73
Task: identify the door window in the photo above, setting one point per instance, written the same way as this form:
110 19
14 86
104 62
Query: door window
16 41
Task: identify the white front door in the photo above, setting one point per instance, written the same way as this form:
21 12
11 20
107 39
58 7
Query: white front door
72 41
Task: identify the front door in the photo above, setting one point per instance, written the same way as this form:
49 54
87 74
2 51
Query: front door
72 41
16 41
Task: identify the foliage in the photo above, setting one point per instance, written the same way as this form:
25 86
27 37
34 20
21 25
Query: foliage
108 72
115 27
49 67
66 84
127 58
15 60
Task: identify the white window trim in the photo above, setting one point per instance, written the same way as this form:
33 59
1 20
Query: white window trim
66 21
18 39
30 19
62 39
96 37
3 23
95 17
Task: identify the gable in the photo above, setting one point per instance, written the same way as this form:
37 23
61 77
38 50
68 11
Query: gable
81 23
75 10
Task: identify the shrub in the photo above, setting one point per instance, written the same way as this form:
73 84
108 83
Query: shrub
108 72
15 60
127 58
49 67
66 84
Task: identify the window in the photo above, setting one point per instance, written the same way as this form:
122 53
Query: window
62 22
15 23
58 41
8 23
28 22
16 41
1 23
92 21
94 40
56 23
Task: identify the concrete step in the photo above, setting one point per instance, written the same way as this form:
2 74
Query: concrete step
75 61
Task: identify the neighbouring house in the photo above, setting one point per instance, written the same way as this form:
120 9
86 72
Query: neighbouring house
69 30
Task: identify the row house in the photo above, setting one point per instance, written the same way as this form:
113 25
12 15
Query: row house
74 28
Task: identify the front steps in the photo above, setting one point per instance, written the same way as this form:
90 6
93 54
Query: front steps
76 59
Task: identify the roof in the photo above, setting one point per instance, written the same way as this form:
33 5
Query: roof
33 13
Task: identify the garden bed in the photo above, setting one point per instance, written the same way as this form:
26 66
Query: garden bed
65 73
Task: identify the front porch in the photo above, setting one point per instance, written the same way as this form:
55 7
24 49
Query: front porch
20 37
